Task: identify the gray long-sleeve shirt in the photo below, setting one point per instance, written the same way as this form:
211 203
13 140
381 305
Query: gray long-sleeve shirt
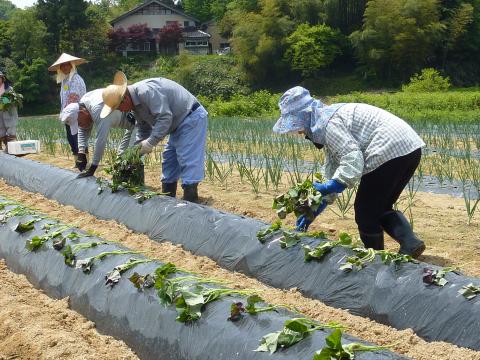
160 105
93 101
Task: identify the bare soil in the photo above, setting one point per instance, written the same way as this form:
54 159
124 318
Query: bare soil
404 342
34 326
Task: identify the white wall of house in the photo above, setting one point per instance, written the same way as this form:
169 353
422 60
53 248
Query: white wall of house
153 21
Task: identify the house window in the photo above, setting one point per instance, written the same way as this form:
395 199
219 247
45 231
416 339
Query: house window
146 46
196 43
168 12
186 23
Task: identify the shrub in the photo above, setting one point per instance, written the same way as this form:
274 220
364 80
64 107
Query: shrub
260 103
211 76
428 80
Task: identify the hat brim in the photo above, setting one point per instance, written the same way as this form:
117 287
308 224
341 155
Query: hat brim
113 92
106 110
284 124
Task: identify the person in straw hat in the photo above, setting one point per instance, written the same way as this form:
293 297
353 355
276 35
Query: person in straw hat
363 144
83 116
8 113
71 90
162 107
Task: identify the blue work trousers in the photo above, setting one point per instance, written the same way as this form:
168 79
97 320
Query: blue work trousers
184 154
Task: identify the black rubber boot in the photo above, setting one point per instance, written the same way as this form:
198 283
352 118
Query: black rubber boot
7 139
397 226
170 189
190 192
374 241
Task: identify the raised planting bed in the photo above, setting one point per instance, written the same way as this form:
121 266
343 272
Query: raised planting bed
169 314
393 294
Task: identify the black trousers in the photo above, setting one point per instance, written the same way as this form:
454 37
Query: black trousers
381 188
72 140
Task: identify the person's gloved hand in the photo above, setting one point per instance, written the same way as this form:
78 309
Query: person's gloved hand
329 187
131 118
145 147
91 170
81 161
303 222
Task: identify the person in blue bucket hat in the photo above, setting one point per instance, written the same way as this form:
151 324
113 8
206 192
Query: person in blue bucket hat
366 145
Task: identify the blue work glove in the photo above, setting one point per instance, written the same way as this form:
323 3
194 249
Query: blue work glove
329 187
303 222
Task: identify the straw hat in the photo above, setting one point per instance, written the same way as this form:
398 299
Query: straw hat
66 58
113 94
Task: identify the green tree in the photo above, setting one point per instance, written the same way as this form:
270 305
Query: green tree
27 35
5 40
259 41
6 9
345 15
199 9
398 37
62 18
33 81
312 48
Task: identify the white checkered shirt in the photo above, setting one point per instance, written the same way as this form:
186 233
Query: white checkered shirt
361 137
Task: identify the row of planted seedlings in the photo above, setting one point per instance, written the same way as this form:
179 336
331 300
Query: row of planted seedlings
265 161
189 293
304 200
392 293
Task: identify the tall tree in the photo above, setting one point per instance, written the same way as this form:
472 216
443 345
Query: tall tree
28 35
312 48
259 40
6 9
398 37
63 18
199 9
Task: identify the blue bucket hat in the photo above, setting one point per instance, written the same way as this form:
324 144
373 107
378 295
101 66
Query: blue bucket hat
293 105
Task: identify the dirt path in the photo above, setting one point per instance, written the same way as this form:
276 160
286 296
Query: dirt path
34 326
406 342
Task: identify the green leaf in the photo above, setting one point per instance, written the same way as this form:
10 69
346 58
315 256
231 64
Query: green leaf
469 291
289 239
36 242
269 343
25 227
325 354
334 340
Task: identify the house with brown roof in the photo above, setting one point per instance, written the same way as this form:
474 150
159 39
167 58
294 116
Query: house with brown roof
157 15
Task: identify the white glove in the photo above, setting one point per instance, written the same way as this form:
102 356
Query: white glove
146 147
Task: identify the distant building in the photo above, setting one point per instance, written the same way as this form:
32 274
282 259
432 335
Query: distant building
156 15
218 44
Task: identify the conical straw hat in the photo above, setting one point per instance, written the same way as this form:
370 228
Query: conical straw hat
113 94
65 58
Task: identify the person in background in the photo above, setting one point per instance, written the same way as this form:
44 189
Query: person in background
71 90
362 144
86 114
8 113
162 107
